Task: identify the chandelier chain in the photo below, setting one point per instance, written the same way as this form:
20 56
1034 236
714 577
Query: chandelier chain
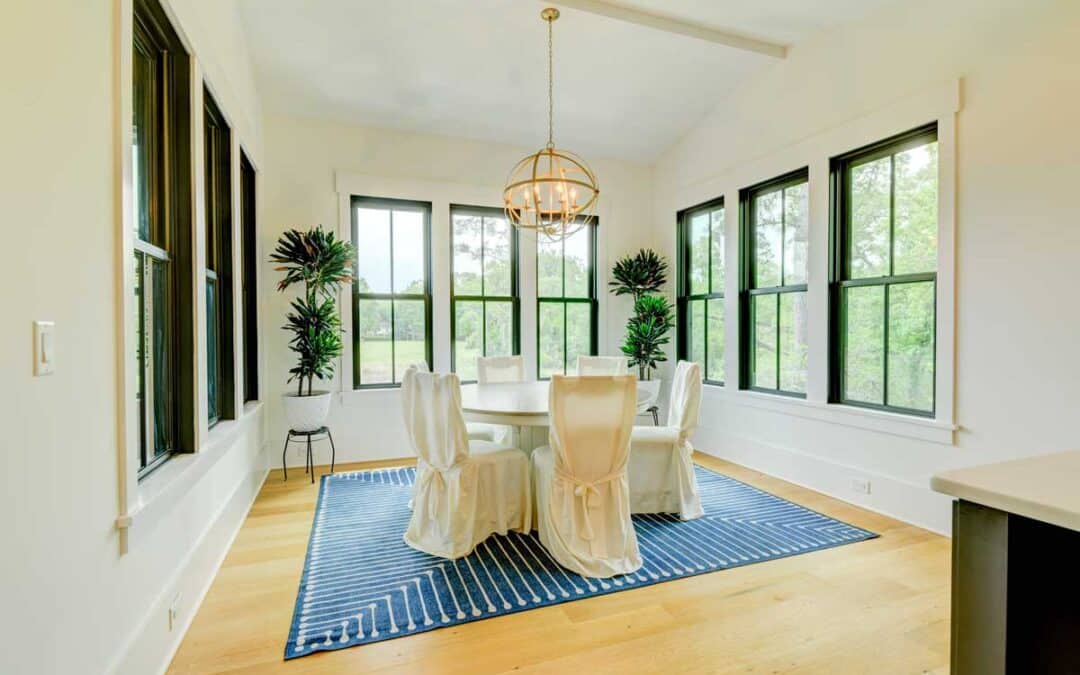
551 96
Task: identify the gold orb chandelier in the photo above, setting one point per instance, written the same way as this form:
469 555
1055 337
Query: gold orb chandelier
552 191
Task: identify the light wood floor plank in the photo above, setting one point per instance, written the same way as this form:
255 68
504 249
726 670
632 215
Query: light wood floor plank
878 606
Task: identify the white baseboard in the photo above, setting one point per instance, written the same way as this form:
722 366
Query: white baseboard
915 504
150 649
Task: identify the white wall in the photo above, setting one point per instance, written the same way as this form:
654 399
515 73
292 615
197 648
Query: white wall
307 161
71 601
1016 232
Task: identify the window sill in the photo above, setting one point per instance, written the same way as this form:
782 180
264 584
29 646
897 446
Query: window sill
161 491
920 428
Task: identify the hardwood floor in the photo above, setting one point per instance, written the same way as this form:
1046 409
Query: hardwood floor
879 606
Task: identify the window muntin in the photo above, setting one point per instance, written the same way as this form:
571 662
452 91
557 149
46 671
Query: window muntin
566 300
392 289
885 225
700 302
775 227
219 302
484 299
161 223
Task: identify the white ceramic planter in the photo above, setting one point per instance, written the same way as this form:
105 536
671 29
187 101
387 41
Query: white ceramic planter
306 413
648 394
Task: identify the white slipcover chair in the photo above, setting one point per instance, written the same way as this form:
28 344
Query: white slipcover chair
465 490
661 463
497 370
582 492
601 365
475 430
500 369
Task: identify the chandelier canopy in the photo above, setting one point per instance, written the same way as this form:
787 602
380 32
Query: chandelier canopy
552 191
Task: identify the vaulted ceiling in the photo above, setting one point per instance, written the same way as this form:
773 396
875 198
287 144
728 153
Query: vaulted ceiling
477 68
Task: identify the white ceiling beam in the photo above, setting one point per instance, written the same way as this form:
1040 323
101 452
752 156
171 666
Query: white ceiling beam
677 26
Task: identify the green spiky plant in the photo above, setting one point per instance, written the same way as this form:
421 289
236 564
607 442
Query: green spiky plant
638 275
642 276
321 263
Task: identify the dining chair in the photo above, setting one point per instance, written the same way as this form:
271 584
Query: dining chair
661 465
500 369
464 490
497 370
580 480
601 365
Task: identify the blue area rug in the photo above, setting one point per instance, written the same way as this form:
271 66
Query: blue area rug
362 584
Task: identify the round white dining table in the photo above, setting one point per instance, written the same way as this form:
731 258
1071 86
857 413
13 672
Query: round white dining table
517 404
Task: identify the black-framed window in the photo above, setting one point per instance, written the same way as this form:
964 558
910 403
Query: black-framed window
773 332
484 300
219 297
249 278
566 306
884 274
161 213
391 316
700 296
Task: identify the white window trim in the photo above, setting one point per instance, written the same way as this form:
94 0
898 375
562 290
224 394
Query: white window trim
144 503
938 104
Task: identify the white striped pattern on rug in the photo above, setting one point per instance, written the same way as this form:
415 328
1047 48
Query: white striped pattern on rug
362 584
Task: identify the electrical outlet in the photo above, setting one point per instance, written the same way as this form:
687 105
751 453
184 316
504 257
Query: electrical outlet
860 485
174 610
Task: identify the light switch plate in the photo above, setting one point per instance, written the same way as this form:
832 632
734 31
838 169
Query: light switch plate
44 347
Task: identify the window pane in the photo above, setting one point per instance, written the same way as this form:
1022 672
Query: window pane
408 252
161 349
767 229
715 369
793 348
796 233
213 410
467 338
548 267
717 255
373 319
916 218
864 344
699 253
551 338
500 328
578 332
577 263
764 341
409 334
466 254
373 250
497 250
911 346
139 344
141 141
868 248
696 332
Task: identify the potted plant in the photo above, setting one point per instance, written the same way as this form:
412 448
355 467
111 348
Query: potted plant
642 276
321 263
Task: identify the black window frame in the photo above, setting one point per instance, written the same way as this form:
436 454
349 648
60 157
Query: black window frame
591 300
747 268
683 295
217 141
839 266
249 277
169 240
390 204
483 298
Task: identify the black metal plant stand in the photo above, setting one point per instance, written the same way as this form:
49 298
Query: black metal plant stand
309 465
